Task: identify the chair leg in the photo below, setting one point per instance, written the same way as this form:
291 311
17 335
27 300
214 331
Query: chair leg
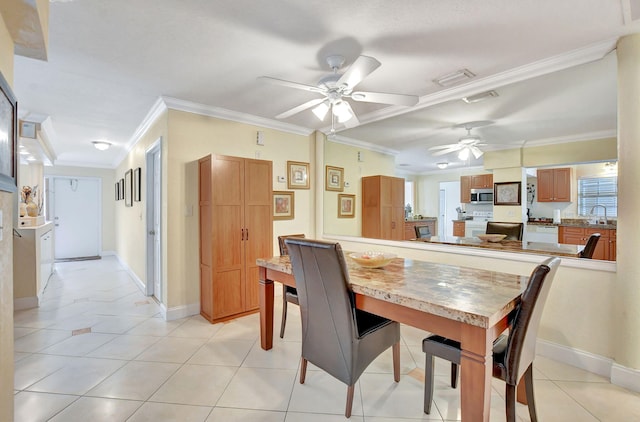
528 385
428 383
303 370
396 361
454 375
350 390
510 402
284 313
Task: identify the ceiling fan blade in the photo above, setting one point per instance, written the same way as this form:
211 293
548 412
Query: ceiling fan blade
457 146
477 152
359 70
381 97
445 151
290 84
299 108
353 121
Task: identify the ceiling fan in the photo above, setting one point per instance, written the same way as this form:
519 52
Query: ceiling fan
336 88
467 145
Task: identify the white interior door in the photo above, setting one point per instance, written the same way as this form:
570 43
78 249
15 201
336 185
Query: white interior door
452 200
77 216
154 221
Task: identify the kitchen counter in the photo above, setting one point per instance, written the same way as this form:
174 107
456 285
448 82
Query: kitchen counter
576 223
541 248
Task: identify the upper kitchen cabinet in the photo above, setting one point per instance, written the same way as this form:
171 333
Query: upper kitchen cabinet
465 189
383 207
554 185
482 181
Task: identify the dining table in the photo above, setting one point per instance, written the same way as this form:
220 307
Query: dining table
469 305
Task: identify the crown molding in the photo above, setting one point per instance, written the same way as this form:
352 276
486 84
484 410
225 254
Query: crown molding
545 66
590 136
223 113
63 163
361 144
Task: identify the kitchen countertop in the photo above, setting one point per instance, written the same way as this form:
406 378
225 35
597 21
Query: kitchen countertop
511 246
417 220
575 223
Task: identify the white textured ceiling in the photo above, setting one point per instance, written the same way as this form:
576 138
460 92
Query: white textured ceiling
109 61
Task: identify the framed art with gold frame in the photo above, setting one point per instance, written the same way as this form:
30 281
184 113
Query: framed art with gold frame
297 175
334 178
283 205
346 206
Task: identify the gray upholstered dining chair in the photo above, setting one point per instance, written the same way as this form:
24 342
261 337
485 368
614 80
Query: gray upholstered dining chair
512 230
289 294
422 231
513 354
336 337
590 247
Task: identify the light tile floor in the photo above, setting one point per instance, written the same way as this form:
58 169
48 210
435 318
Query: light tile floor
134 366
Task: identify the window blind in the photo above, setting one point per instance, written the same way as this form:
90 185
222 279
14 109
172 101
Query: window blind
598 191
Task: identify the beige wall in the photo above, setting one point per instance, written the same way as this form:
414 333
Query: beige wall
513 213
6 260
107 180
346 157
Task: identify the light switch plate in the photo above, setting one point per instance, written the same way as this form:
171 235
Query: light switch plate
282 179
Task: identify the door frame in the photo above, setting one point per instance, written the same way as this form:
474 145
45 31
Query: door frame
154 148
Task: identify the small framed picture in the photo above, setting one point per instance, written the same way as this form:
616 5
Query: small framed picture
346 206
128 192
136 184
333 179
117 191
283 205
297 175
507 193
121 183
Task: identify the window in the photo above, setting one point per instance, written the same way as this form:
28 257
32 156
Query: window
408 195
598 191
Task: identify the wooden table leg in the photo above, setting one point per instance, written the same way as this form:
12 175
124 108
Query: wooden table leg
521 392
266 310
476 373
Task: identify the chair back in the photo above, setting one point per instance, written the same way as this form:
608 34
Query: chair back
512 230
590 247
422 231
326 305
521 347
283 246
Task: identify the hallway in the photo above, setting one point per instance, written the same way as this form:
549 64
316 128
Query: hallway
98 350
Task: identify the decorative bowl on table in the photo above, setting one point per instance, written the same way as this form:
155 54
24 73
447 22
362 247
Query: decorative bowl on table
491 237
372 259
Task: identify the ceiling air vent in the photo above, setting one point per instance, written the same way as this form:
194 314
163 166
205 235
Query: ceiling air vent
454 78
480 97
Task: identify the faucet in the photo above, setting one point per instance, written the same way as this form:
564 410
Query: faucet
605 211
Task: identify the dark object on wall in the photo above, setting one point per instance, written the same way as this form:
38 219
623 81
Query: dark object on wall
128 188
136 184
8 142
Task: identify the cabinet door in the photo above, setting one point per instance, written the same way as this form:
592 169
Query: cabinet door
545 185
458 228
371 219
562 185
465 189
258 225
397 204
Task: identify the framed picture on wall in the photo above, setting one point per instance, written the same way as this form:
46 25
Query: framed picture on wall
8 137
283 205
297 175
121 183
136 184
333 179
128 188
117 191
507 193
346 206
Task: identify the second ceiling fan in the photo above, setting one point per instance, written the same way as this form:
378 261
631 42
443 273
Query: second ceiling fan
467 145
336 88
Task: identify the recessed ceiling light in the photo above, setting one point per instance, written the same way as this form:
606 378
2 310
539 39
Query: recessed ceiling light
454 77
102 145
442 165
480 97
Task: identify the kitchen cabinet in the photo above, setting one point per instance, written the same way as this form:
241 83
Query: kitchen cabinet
33 259
410 231
383 207
605 248
554 185
465 189
236 228
478 181
458 228
482 181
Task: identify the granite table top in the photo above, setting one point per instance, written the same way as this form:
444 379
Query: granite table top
540 248
472 296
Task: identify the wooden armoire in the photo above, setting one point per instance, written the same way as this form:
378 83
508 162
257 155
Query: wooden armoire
383 207
236 228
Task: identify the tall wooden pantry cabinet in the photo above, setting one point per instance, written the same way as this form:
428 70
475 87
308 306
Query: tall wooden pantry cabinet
236 228
383 207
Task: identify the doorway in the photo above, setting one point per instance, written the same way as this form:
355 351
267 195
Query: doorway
449 200
153 187
76 205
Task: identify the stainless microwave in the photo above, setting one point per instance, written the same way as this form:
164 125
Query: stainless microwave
482 196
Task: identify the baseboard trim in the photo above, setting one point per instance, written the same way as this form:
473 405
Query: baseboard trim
21 303
183 311
141 285
625 377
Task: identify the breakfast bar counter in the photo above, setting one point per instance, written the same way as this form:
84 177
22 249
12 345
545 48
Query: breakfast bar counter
552 249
